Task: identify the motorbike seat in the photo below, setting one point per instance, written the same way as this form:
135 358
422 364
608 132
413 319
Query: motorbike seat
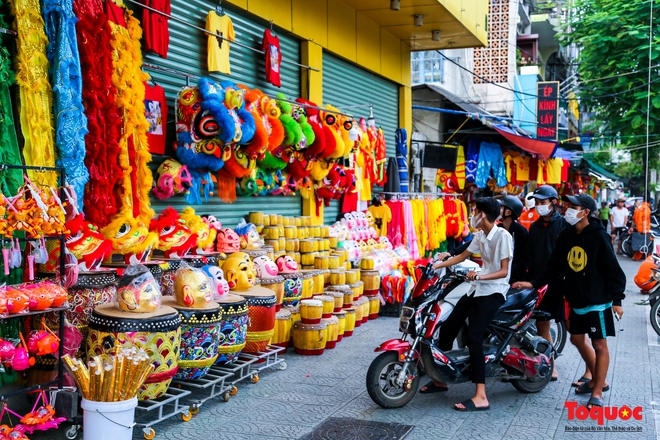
516 298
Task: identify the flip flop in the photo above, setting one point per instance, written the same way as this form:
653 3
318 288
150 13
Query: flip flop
586 389
470 406
580 381
595 401
431 388
554 379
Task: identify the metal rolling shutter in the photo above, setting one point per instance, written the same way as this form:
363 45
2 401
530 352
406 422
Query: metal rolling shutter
346 85
187 53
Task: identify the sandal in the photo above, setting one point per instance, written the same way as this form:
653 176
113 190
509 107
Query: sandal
594 401
470 406
431 388
580 381
586 389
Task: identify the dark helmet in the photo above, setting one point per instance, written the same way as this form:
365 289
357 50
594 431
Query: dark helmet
513 203
544 192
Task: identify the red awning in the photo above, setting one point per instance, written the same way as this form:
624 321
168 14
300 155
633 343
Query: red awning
544 149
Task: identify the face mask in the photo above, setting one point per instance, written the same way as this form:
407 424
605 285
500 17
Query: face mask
571 216
475 220
543 210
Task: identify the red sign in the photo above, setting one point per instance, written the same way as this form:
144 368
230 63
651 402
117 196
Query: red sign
546 110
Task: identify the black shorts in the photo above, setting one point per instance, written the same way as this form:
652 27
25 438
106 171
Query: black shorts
598 325
553 303
619 231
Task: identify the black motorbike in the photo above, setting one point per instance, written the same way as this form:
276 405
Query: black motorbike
512 348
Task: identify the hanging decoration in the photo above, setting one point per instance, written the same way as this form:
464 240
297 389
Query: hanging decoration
66 78
36 98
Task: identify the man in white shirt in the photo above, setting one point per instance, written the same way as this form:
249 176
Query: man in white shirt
619 221
484 298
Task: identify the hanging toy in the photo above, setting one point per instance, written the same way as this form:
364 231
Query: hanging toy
7 351
22 360
43 342
42 418
40 298
17 300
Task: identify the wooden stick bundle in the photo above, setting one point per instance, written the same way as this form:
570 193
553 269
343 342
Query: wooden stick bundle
111 378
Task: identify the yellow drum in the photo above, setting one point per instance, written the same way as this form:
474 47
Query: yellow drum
325 244
351 316
307 259
282 330
309 339
266 220
280 230
342 254
287 221
348 265
271 232
319 282
367 263
333 242
321 262
307 283
337 277
357 288
333 262
276 284
256 217
348 299
282 242
326 277
275 244
290 232
306 246
158 333
315 231
341 317
352 276
339 300
311 311
297 221
359 313
332 331
364 302
324 231
371 280
328 304
292 245
374 306
280 219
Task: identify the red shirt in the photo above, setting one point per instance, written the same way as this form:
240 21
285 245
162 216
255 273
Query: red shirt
271 45
155 108
154 25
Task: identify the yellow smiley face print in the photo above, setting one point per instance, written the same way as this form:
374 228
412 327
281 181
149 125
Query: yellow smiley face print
577 258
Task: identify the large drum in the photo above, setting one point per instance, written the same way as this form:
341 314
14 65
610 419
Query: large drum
200 330
92 289
282 333
233 328
261 311
158 333
276 284
293 288
308 283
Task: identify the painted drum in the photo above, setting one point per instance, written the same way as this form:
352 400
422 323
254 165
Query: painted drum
233 328
158 333
293 288
309 339
261 311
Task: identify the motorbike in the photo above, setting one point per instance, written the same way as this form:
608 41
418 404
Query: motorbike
512 349
654 295
634 242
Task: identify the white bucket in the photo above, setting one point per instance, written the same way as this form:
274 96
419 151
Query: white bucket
108 420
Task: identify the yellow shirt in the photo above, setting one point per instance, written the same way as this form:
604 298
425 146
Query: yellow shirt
540 179
218 50
522 168
553 170
382 217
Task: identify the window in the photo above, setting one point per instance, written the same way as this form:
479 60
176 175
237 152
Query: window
426 67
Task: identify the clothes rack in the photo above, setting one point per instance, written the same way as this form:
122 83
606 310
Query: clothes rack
418 195
213 34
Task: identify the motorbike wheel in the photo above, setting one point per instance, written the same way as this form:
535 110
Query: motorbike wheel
655 317
529 386
626 246
381 384
559 335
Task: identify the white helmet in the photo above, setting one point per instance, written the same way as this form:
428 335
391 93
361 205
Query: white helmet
529 202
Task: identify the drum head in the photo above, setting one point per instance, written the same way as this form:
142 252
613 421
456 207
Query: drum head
258 292
111 310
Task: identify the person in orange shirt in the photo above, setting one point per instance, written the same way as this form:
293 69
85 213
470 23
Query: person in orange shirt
529 214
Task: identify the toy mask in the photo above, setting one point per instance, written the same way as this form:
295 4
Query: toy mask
286 264
192 288
87 244
173 178
239 271
138 291
228 241
370 218
250 238
219 285
266 268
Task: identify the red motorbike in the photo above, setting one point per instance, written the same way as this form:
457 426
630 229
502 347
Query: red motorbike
512 348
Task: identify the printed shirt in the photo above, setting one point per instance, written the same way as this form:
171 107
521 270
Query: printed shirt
382 216
522 168
493 248
271 46
218 49
155 108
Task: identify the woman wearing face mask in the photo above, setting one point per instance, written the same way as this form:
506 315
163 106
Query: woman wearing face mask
584 265
543 234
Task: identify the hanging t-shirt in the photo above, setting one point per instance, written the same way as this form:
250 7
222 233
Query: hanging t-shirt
218 48
382 217
522 168
564 170
553 168
271 45
155 108
154 26
115 13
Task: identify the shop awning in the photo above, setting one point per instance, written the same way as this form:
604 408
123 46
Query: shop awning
602 171
456 100
544 149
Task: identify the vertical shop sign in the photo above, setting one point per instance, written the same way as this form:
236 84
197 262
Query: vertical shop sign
546 110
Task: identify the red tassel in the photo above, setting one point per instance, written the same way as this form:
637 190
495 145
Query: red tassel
226 186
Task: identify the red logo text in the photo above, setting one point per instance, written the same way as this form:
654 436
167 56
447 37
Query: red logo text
581 412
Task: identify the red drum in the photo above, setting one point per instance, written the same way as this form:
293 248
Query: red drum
261 312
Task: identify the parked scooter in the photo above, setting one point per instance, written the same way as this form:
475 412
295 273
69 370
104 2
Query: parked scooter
513 350
654 293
